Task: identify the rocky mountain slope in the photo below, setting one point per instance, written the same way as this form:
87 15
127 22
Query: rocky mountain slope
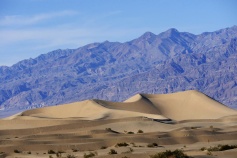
168 62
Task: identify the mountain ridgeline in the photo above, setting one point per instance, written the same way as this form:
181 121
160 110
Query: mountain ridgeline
168 62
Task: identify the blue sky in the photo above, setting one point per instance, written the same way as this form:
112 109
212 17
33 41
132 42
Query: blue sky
29 28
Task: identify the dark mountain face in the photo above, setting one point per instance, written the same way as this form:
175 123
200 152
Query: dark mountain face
169 62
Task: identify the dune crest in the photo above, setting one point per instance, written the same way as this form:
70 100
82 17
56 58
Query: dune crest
188 105
176 106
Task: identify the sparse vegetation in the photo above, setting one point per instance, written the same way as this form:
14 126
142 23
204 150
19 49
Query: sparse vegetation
50 156
140 131
152 145
75 150
51 152
203 149
60 151
170 154
108 129
130 132
112 151
219 148
28 152
17 151
122 144
91 154
71 156
103 147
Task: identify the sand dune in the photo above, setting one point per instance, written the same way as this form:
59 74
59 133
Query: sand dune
189 105
176 106
185 120
89 110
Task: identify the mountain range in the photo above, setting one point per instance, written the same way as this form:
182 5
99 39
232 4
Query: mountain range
168 62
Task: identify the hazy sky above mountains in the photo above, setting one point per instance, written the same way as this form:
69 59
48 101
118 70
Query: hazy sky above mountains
32 27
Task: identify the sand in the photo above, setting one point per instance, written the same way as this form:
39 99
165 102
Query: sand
186 120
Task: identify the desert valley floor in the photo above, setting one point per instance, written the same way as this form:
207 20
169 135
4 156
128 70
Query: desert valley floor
136 128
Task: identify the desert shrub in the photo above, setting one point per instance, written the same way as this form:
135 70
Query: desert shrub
125 157
71 156
170 154
75 150
221 147
59 153
227 147
140 131
130 132
112 151
91 154
50 156
152 145
215 148
155 144
121 144
28 152
103 147
17 151
203 148
51 152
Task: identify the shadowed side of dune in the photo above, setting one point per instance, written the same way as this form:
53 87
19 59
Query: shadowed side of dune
137 103
188 105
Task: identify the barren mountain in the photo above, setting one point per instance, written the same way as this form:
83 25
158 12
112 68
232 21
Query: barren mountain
168 62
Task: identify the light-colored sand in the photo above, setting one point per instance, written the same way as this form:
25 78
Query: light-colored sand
189 105
185 120
177 106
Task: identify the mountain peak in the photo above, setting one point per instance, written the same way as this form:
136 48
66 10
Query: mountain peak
172 30
169 33
147 35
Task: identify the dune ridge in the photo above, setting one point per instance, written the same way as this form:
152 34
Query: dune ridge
177 106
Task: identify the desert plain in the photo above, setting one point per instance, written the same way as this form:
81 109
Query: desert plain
139 127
